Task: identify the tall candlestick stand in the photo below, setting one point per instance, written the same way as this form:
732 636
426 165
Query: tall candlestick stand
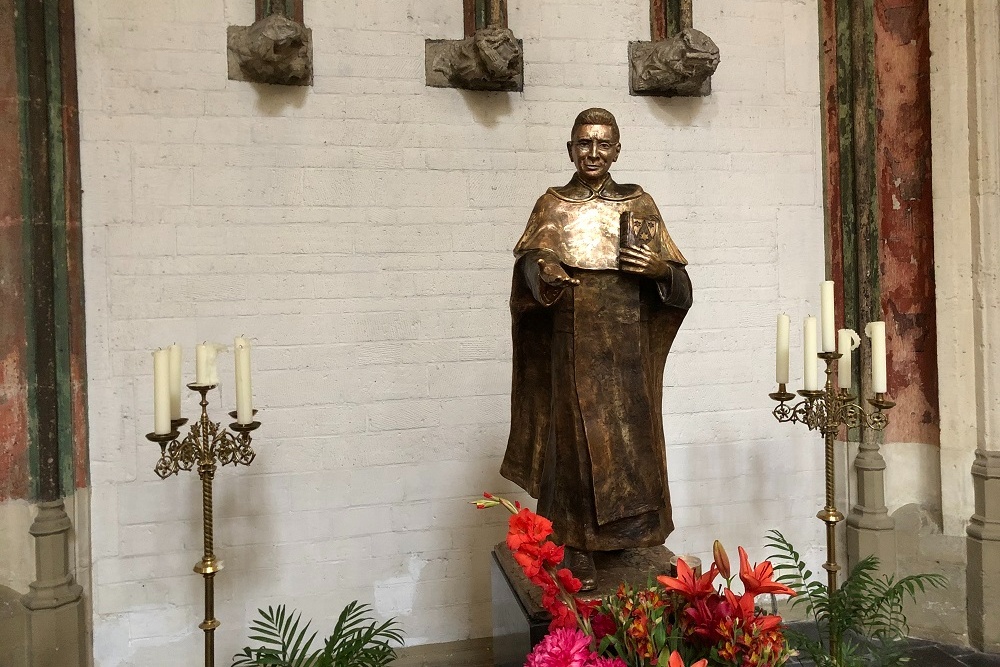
205 446
826 410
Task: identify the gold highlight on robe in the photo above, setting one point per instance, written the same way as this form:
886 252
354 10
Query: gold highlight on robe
205 446
831 407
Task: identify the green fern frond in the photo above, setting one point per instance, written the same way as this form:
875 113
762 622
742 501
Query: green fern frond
283 643
358 641
865 615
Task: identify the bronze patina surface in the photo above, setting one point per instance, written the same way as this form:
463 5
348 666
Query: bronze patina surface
593 323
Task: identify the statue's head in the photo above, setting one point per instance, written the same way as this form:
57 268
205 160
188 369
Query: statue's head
593 146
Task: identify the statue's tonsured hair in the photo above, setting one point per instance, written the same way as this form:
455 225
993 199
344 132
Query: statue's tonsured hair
596 116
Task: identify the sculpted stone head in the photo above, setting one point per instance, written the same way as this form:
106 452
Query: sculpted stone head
594 145
498 50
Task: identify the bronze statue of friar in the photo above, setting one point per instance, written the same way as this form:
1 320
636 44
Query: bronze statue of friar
599 292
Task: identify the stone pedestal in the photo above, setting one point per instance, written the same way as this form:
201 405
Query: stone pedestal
983 570
520 621
56 628
870 529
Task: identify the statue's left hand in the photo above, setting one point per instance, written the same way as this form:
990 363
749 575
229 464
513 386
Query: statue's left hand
643 261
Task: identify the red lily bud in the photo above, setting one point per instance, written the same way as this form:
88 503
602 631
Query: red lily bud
721 559
487 494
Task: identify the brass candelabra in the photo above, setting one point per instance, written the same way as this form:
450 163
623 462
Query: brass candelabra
826 410
206 446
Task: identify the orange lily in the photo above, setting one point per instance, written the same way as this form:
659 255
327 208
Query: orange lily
757 580
687 584
676 661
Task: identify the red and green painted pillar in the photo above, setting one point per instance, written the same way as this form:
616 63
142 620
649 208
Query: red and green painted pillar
42 373
880 246
482 13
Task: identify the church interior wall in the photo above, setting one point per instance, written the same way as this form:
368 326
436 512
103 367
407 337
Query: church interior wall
360 231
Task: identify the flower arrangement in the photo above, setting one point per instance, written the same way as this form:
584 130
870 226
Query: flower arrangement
682 621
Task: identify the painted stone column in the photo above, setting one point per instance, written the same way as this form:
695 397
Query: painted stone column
876 108
983 573
43 453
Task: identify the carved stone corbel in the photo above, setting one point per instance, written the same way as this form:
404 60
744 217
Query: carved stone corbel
679 61
277 48
489 58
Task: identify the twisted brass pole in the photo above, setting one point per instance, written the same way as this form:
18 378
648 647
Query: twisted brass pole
208 566
830 515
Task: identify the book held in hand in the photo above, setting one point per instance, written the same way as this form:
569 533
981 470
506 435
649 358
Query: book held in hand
637 231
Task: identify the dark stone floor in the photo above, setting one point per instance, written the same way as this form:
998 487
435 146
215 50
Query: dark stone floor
922 653
933 655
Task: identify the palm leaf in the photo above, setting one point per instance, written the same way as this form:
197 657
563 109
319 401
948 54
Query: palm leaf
283 644
359 641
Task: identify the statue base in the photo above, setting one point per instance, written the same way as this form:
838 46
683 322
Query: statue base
520 621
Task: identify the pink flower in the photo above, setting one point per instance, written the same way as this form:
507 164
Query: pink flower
564 647
597 661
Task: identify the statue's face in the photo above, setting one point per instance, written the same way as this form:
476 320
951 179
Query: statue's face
593 149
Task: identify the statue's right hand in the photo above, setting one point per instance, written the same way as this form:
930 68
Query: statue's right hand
554 274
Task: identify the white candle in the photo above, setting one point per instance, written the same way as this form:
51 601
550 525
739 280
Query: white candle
206 370
244 393
213 367
847 341
827 320
781 354
161 392
876 331
201 364
809 358
175 381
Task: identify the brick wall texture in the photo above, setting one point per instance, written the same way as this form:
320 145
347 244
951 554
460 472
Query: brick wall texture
360 231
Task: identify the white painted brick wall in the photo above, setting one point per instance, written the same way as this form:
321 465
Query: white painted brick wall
361 230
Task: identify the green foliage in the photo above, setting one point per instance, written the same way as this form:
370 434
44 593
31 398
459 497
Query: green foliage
864 616
643 629
357 641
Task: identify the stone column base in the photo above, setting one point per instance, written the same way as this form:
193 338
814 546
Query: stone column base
13 629
57 637
870 529
55 616
983 546
864 541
